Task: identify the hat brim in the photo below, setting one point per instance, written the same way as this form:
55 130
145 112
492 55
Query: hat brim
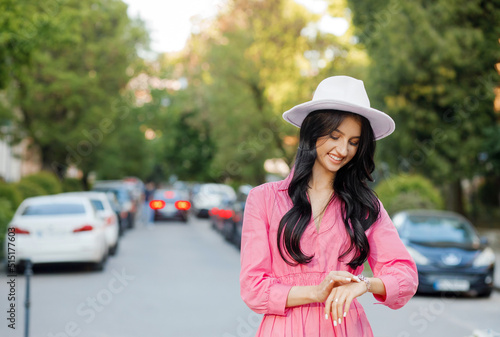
382 124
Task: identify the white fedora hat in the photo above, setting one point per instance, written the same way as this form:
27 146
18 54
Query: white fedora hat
347 94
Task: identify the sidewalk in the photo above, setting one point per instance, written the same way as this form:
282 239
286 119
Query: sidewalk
493 236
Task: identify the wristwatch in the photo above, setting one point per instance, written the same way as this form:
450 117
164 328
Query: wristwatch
367 281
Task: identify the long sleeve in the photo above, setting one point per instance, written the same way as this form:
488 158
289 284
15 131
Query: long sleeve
391 262
259 289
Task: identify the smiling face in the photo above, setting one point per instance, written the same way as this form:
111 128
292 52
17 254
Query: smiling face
338 148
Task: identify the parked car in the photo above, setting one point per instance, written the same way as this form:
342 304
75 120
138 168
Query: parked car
209 196
59 228
449 254
239 209
228 217
115 205
170 203
100 201
124 196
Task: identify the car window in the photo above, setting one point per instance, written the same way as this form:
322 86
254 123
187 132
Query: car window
438 229
97 204
54 209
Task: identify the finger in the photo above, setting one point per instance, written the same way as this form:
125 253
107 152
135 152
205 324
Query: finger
339 280
347 306
328 305
340 307
334 312
345 274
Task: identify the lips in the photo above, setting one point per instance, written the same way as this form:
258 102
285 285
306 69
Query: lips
335 159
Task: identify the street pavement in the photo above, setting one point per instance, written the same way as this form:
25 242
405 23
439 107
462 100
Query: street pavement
181 280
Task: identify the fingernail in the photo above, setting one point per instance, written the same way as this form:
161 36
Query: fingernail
326 316
345 314
348 278
356 278
331 281
335 323
336 300
340 321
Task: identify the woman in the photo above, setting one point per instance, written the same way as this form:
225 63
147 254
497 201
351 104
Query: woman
305 238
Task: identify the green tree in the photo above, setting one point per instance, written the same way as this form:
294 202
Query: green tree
249 65
65 96
433 71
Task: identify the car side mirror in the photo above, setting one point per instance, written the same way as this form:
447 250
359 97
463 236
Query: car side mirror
483 240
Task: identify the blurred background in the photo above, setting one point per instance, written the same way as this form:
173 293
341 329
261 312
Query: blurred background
170 112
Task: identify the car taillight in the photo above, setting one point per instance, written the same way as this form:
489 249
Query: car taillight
182 205
225 213
84 228
18 230
157 204
214 211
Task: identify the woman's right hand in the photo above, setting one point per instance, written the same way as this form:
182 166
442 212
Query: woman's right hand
332 280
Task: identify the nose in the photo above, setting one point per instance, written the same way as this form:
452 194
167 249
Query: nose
342 149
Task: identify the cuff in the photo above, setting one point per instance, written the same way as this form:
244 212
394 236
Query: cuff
278 294
391 285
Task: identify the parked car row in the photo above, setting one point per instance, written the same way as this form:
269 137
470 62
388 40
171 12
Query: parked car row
76 227
227 215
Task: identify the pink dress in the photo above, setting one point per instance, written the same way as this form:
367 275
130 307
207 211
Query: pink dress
266 279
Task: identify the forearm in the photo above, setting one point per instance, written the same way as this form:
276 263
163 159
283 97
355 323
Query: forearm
377 286
299 295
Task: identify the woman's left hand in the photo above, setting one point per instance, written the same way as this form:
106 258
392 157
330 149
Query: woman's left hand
338 302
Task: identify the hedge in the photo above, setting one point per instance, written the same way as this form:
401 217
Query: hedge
46 180
72 185
29 189
11 194
408 192
6 213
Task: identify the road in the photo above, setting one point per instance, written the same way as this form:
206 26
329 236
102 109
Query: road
181 280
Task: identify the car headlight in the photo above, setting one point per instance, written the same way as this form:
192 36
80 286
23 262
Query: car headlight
485 258
417 256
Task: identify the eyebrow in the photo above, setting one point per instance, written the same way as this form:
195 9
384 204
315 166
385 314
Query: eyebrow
344 133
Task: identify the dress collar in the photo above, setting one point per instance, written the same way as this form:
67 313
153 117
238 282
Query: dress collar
283 184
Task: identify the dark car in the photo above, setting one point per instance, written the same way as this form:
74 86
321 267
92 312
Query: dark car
228 217
449 254
123 194
170 203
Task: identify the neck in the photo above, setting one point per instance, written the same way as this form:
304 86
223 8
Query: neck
321 179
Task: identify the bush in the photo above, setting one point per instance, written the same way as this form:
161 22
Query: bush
10 193
29 189
408 192
72 185
6 213
46 180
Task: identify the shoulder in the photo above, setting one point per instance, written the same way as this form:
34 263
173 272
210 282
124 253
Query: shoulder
265 189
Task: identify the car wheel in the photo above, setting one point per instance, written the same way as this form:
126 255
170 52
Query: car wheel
486 293
99 266
114 249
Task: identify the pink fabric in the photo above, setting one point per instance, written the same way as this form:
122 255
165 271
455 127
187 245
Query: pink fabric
266 279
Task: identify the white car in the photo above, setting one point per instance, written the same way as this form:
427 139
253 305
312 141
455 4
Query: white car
211 195
58 228
105 211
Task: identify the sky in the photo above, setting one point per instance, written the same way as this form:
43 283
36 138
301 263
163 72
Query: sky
168 21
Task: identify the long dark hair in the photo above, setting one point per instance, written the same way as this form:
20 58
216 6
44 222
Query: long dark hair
360 207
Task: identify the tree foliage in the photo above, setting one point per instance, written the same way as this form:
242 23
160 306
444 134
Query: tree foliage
433 69
254 61
63 97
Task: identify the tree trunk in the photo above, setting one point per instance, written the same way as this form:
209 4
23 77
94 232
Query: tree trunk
85 181
455 198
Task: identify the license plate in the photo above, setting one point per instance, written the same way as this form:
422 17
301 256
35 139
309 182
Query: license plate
452 285
169 208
